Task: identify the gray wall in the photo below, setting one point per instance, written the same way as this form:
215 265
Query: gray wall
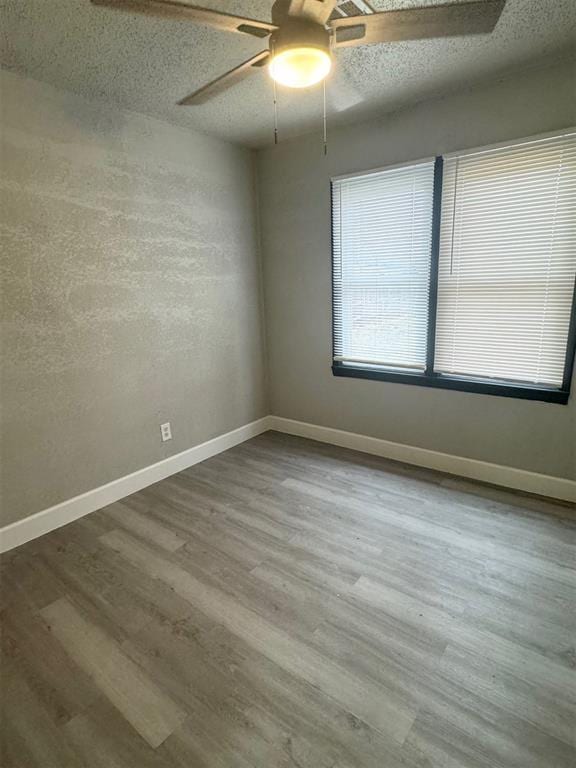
295 212
131 293
131 289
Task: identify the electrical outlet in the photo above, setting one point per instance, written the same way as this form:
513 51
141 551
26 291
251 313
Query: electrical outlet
166 431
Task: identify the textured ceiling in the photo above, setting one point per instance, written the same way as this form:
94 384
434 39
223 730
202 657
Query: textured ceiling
147 64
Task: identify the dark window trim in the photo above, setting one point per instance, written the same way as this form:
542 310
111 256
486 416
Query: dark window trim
570 346
440 381
434 264
429 378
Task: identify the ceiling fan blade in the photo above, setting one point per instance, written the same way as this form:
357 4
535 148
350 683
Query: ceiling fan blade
182 11
225 81
316 10
341 93
418 23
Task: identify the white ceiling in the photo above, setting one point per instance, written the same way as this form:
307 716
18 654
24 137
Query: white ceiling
146 64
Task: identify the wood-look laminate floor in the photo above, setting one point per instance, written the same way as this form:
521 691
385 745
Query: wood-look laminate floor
289 604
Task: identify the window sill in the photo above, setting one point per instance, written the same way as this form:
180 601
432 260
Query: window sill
439 381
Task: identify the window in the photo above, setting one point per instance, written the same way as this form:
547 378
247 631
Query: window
382 237
459 272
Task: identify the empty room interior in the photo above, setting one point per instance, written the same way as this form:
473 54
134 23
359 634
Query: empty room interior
288 404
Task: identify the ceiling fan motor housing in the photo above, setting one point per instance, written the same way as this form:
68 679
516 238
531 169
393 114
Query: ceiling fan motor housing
297 33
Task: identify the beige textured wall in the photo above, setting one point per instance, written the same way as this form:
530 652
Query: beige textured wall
130 293
295 213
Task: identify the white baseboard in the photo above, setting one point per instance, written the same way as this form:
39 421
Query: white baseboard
49 519
497 474
54 517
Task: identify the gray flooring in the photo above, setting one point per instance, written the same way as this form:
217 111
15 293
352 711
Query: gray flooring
291 604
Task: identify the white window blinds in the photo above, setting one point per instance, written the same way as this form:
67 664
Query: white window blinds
507 261
382 228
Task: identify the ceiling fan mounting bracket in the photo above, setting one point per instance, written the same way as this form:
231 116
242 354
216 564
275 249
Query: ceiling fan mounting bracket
249 29
349 34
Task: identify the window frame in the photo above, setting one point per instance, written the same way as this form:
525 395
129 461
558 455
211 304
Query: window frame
430 378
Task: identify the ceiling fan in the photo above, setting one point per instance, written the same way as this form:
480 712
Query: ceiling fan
303 33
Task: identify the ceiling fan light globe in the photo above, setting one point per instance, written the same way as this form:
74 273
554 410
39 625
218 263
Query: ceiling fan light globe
300 66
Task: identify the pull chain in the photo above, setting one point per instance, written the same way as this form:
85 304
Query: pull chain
324 134
275 114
